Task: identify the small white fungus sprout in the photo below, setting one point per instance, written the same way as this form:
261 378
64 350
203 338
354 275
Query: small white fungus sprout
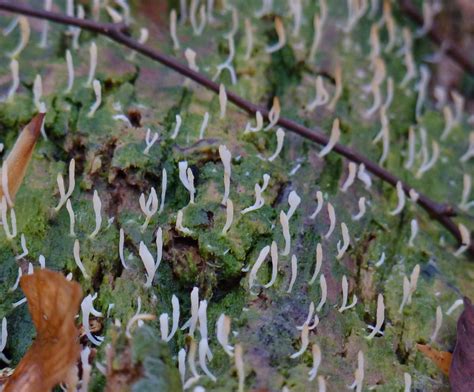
359 373
187 179
182 364
449 122
258 263
345 292
98 98
164 330
258 125
77 258
319 206
227 64
63 195
3 342
470 149
454 306
465 204
164 184
190 56
197 28
294 273
465 240
204 123
322 96
121 248
280 30
321 384
149 262
239 365
364 176
177 126
71 218
92 63
428 163
144 34
341 250
401 199
222 332
179 224
286 233
97 204
384 135
149 140
379 318
414 195
294 201
70 72
309 317
411 148
333 139
15 286
23 247
381 260
414 232
324 292
44 29
273 114
350 177
338 89
248 39
362 209
87 308
422 89
316 351
259 200
222 100
407 379
439 321
226 157
304 342
10 234
332 220
319 262
317 35
459 101
149 208
204 351
24 37
280 134
229 216
174 35
86 369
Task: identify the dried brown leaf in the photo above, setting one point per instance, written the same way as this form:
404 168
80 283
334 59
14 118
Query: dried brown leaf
53 302
442 359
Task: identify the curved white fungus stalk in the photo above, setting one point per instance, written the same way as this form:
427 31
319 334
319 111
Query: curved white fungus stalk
258 125
286 233
414 195
332 220
10 234
192 321
470 149
383 135
70 72
182 365
280 30
77 258
226 157
229 216
338 89
294 273
98 98
87 308
364 176
23 247
149 140
280 134
259 200
316 351
321 384
322 96
429 11
137 318
92 63
413 282
465 204
187 179
459 101
222 100
144 35
227 64
439 321
359 373
173 34
319 262
454 306
345 293
350 177
411 148
309 317
401 199
164 184
205 122
414 232
222 332
324 292
274 257
190 56
192 365
422 89
258 263
38 93
333 139
248 39
121 247
317 35
149 208
381 260
24 37
319 206
3 342
379 318
197 28
362 209
15 286
274 114
86 369
177 126
45 27
345 241
204 351
304 342
149 263
449 122
63 195
429 163
114 14
239 365
14 68
179 224
97 204
406 293
294 201
410 68
465 240
374 41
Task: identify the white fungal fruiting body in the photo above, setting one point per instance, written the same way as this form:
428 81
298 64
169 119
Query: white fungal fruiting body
149 208
87 308
150 140
350 177
332 220
322 96
280 134
407 379
63 195
439 321
401 199
320 200
364 176
248 39
98 98
197 28
362 209
86 369
333 139
345 241
258 125
121 248
23 247
174 35
77 258
324 292
190 56
465 240
345 292
286 233
177 126
226 157
470 149
10 234
294 273
3 341
229 216
97 204
359 373
222 332
164 184
239 365
70 72
379 318
317 35
187 179
319 262
149 262
258 263
259 200
222 100
294 201
280 30
454 306
92 63
179 224
304 342
316 351
24 37
273 114
204 123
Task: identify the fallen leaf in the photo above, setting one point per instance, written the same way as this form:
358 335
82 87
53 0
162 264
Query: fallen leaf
53 302
442 359
20 155
461 374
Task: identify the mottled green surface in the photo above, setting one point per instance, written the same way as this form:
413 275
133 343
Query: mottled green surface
109 158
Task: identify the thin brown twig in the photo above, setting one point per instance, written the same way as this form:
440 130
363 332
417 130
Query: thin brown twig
452 49
118 33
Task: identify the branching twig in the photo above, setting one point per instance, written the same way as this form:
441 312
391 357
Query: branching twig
452 49
118 33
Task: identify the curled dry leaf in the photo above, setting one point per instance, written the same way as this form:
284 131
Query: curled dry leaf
442 359
461 374
20 155
53 303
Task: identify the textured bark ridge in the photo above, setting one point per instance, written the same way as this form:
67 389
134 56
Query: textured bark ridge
314 242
